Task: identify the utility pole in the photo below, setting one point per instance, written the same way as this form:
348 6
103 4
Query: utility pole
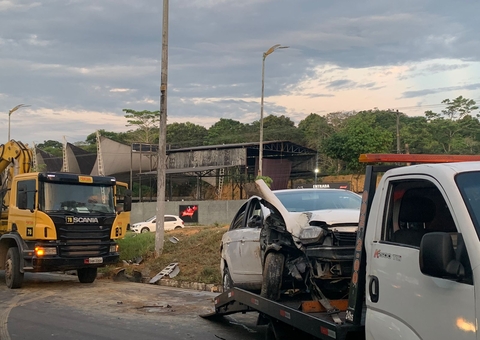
398 132
162 141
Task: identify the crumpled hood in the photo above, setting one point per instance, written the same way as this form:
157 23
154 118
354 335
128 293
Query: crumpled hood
295 222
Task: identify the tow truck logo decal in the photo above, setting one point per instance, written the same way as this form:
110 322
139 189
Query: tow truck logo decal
72 220
378 254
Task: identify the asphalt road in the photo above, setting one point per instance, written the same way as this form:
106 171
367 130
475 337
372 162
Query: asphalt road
54 306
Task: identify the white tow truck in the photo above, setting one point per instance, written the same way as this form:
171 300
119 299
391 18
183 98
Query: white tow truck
416 269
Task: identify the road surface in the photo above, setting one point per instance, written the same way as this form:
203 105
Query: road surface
54 306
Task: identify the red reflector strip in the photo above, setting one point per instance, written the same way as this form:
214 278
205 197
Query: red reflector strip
329 332
254 301
285 314
415 158
230 294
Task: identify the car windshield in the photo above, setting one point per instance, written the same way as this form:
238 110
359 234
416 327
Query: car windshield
151 219
310 200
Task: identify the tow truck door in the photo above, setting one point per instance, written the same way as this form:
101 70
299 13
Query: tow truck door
402 302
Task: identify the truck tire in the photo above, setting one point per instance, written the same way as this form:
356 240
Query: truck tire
13 275
272 276
227 281
87 275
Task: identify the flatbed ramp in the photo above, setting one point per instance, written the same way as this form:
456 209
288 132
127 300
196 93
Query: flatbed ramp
286 316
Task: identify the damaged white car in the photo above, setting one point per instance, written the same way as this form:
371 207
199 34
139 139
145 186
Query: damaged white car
294 238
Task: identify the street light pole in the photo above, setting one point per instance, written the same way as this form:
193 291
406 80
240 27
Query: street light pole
260 147
10 113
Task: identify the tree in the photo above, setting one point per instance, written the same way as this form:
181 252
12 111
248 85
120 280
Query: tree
360 135
52 147
281 128
226 131
453 128
182 135
147 123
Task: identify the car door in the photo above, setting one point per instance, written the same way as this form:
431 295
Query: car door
241 246
169 222
402 302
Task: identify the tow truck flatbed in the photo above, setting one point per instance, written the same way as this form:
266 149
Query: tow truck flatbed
286 314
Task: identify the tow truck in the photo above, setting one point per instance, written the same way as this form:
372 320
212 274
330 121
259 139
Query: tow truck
416 264
56 221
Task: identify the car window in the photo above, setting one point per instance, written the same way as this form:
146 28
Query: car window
238 220
169 219
254 214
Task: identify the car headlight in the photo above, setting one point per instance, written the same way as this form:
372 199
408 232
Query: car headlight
312 234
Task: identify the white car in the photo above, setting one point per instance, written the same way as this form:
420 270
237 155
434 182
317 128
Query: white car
289 238
171 222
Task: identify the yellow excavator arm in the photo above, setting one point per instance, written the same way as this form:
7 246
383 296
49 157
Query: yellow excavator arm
17 154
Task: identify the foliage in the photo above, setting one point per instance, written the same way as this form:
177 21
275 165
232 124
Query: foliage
182 135
360 135
147 123
226 131
268 181
52 147
281 128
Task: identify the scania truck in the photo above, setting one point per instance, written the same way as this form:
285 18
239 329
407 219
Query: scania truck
56 221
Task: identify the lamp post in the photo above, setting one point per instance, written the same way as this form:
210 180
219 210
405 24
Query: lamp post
260 154
316 175
10 113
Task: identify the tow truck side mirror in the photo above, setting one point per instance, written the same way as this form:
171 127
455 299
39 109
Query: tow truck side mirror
437 257
127 201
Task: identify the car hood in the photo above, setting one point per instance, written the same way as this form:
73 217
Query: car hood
296 222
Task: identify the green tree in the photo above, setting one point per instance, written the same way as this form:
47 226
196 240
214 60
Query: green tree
147 123
52 147
226 131
182 135
281 128
360 135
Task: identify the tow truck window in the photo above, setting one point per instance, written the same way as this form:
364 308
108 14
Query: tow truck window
416 208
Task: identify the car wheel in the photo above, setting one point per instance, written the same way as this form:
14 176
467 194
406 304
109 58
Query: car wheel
178 227
227 281
272 276
87 275
13 276
145 230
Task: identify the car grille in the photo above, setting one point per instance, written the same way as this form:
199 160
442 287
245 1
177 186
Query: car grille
345 238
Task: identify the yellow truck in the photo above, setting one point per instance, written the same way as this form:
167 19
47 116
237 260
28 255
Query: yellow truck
57 221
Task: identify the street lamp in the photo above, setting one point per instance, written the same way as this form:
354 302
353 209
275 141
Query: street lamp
260 155
316 174
10 113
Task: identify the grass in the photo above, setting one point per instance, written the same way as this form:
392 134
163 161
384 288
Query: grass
197 253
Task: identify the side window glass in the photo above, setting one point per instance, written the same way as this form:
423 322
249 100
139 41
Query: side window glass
254 216
237 222
29 188
416 208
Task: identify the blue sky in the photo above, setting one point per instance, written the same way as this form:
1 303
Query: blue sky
78 63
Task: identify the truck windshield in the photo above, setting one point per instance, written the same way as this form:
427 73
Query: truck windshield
469 186
77 198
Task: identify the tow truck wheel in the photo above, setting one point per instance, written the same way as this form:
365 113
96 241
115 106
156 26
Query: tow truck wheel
227 281
272 276
87 275
13 276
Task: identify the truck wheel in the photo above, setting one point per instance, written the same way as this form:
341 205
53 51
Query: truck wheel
272 276
13 276
145 230
87 275
227 281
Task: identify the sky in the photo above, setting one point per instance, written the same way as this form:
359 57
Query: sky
79 63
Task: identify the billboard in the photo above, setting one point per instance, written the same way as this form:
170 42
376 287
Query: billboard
188 213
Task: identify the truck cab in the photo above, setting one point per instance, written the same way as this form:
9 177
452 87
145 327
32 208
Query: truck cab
423 253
